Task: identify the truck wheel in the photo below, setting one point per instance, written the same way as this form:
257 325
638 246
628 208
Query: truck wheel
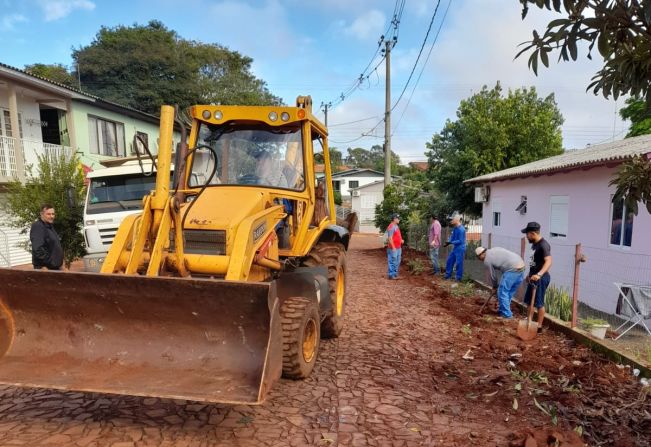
333 256
299 318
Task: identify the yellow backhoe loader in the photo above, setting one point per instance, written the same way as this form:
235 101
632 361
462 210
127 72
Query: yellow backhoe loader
229 277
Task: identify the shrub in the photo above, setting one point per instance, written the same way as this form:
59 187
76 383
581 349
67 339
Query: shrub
558 302
60 182
416 266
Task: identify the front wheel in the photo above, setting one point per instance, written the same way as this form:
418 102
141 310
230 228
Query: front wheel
332 255
301 331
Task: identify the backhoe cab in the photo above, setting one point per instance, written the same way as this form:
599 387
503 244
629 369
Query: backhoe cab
225 280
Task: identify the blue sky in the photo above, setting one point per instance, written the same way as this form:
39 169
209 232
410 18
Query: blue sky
319 47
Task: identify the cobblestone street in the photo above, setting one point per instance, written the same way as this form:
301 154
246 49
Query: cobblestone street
375 385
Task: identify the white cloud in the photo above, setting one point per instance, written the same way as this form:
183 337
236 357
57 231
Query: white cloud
58 9
369 25
470 53
9 22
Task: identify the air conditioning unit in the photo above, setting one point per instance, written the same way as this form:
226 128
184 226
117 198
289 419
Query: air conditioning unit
355 193
482 193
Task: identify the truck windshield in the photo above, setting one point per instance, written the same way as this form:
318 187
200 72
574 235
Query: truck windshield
118 193
249 155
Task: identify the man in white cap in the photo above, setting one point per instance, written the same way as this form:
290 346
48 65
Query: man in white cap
512 267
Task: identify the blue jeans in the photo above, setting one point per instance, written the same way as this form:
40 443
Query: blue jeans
505 292
393 259
434 257
541 288
455 258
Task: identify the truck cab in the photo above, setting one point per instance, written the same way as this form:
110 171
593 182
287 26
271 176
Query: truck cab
113 193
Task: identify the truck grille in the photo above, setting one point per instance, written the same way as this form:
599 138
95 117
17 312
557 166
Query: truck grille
107 235
203 242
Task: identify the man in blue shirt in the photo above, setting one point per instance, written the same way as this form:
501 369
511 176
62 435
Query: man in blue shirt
458 241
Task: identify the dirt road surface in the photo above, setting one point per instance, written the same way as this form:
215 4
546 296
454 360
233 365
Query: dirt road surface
414 366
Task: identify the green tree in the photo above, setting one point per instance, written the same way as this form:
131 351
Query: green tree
621 30
60 182
145 66
371 158
54 72
492 132
639 114
335 159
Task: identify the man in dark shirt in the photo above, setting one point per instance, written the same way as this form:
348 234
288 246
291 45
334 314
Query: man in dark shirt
541 262
46 246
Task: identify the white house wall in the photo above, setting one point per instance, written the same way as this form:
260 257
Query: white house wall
364 206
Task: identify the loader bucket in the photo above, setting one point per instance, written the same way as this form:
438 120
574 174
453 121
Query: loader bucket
195 339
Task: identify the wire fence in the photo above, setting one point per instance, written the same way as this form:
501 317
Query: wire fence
581 276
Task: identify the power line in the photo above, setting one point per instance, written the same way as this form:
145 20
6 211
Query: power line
420 52
424 65
394 28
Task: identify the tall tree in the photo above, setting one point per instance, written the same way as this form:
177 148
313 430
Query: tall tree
621 30
371 158
54 72
145 66
492 132
639 114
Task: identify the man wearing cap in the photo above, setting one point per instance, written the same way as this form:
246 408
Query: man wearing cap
458 241
394 246
511 265
541 262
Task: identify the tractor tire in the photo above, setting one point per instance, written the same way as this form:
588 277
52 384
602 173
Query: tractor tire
333 256
299 318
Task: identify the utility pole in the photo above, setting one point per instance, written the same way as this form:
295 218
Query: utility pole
325 112
387 115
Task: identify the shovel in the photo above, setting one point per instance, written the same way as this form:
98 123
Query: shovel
527 330
493 294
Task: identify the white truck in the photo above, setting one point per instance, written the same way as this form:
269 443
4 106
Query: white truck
113 193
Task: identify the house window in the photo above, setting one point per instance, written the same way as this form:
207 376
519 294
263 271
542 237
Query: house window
558 216
369 201
106 137
497 213
141 137
336 185
353 184
5 126
621 218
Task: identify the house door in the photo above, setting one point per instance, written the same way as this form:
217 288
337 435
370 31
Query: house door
50 130
64 136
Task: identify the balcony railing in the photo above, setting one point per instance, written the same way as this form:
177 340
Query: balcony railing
30 150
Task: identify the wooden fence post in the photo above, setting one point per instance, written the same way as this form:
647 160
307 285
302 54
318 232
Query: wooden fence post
578 259
523 247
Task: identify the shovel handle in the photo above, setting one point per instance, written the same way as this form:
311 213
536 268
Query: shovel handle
533 297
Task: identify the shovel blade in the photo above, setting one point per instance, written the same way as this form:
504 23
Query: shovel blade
181 338
527 330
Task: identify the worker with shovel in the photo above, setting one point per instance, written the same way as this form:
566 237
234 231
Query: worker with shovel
538 278
511 266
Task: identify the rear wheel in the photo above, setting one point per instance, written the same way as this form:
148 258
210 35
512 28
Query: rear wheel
333 256
301 333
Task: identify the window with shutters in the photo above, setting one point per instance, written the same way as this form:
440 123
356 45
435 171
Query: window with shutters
5 124
106 137
559 216
353 184
369 201
621 224
497 212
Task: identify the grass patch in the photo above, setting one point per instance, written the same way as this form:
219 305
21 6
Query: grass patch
416 266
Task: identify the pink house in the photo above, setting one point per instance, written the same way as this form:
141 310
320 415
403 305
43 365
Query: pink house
569 196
